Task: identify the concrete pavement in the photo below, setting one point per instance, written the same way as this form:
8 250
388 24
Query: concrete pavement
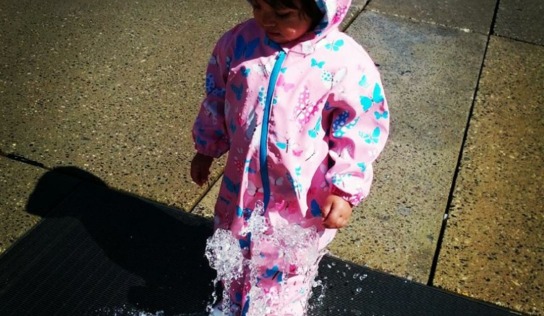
112 88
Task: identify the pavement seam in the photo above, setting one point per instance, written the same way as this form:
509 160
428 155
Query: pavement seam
460 156
22 159
405 17
205 194
355 16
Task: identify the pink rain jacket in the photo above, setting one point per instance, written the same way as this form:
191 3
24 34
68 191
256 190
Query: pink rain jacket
300 121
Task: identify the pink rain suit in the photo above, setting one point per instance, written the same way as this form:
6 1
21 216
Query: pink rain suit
299 121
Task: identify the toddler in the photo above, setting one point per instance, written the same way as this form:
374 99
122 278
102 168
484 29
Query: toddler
300 109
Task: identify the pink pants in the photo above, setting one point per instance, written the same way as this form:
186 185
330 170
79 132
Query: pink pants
280 273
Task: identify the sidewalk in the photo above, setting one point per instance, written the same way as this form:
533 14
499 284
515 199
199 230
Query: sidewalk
112 88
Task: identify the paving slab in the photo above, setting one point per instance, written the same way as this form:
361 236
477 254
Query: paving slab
470 15
493 245
430 74
110 87
521 20
17 186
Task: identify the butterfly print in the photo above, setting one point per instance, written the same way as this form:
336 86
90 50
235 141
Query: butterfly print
305 109
245 49
335 45
371 138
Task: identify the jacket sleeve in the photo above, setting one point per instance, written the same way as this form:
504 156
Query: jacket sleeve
209 130
358 132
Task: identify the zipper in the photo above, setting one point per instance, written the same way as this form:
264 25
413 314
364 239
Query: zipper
263 153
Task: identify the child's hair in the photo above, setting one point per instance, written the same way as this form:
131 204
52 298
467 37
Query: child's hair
306 7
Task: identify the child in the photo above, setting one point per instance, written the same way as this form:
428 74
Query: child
300 108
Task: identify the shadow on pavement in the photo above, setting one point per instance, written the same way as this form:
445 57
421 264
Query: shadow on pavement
100 251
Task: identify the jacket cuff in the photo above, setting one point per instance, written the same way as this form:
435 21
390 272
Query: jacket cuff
352 199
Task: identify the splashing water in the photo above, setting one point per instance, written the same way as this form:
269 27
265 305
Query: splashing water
291 249
225 256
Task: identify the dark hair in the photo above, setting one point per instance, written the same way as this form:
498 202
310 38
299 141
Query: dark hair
307 7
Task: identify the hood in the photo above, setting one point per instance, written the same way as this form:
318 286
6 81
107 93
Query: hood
334 13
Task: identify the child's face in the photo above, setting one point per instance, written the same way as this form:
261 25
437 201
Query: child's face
281 25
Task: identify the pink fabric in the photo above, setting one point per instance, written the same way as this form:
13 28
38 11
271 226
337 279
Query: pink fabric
328 121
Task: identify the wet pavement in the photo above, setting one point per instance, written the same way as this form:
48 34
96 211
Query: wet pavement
112 88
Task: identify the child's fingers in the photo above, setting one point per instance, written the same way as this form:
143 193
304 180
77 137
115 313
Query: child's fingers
336 212
199 175
202 177
335 220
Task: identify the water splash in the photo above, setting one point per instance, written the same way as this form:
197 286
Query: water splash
225 256
290 248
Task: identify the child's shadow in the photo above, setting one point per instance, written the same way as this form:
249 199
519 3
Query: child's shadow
160 250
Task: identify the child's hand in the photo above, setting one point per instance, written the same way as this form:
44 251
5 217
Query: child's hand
336 212
200 168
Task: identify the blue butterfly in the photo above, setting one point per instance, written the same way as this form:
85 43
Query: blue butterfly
282 145
383 115
231 187
283 70
315 209
377 95
201 141
363 81
317 64
366 102
238 90
298 171
335 46
371 139
243 48
313 132
245 71
362 166
273 273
